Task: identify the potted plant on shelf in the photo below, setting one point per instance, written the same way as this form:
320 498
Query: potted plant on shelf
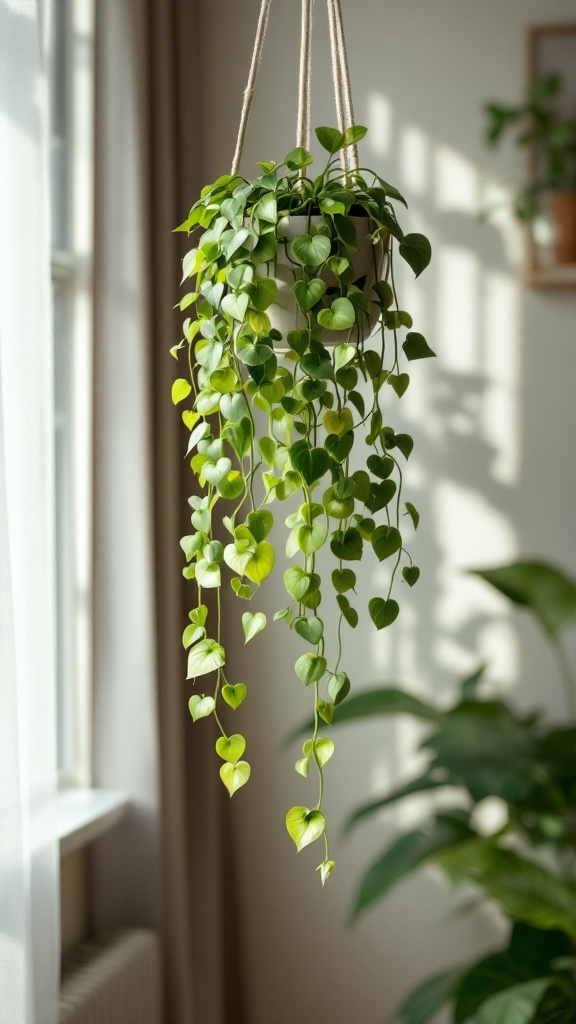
552 143
522 769
290 273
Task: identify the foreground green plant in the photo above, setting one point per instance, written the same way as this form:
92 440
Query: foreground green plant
264 429
489 757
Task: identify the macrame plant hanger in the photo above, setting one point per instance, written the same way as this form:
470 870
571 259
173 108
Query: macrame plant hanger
340 75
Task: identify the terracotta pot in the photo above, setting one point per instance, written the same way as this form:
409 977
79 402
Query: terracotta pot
563 205
368 261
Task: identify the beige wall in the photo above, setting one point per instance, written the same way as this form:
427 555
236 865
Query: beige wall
493 474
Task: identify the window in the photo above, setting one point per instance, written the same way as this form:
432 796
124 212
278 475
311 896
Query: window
72 232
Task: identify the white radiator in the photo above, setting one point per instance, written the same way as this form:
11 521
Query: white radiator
114 979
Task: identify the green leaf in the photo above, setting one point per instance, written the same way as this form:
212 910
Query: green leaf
321 750
200 707
231 748
267 448
253 623
311 538
181 388
347 545
260 563
338 423
398 382
235 775
411 574
207 574
232 487
413 513
529 892
191 634
308 293
235 305
298 158
205 657
380 465
338 687
215 472
330 139
546 591
311 463
349 613
339 317
260 523
380 495
344 354
515 1005
325 869
199 615
416 347
386 541
297 582
339 447
266 210
263 293
234 695
304 826
311 250
424 1002
405 443
383 612
353 134
310 629
420 785
387 701
310 668
406 854
417 252
234 407
343 580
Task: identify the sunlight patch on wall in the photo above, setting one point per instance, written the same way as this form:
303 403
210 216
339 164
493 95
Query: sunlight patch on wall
458 275
496 204
500 413
414 159
380 124
456 181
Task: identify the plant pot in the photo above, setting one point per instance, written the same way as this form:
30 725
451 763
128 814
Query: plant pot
563 205
368 261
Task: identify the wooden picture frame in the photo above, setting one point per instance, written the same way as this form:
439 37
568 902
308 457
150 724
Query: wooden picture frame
550 48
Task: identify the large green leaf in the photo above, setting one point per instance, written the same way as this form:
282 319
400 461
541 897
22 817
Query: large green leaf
424 1002
386 701
205 657
547 591
417 252
529 892
515 1005
420 785
406 854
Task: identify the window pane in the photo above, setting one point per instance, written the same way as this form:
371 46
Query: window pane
60 121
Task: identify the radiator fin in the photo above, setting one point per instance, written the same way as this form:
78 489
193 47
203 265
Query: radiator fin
114 979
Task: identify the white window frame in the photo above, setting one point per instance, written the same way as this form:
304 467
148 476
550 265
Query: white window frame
72 279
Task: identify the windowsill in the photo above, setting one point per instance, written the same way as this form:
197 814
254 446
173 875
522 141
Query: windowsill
85 814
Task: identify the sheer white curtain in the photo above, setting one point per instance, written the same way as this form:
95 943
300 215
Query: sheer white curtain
29 940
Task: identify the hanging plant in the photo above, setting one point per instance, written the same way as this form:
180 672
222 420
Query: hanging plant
291 273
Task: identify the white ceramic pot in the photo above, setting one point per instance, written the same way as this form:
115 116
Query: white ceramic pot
368 261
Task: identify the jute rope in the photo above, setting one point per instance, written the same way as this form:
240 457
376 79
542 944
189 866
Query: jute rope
340 74
252 76
305 78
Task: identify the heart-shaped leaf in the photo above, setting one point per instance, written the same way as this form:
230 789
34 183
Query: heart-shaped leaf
416 347
344 354
231 748
338 422
380 465
243 590
324 748
349 613
311 463
383 613
308 293
411 574
380 495
235 305
235 775
311 538
310 629
330 139
234 695
207 574
310 668
347 545
260 523
214 472
297 582
417 252
200 707
253 623
301 766
260 563
343 580
340 317
304 826
234 407
320 368
205 657
326 711
181 388
311 250
399 382
199 615
338 687
405 443
200 431
386 541
339 447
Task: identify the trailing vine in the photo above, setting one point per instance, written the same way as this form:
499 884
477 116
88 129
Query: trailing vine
272 416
